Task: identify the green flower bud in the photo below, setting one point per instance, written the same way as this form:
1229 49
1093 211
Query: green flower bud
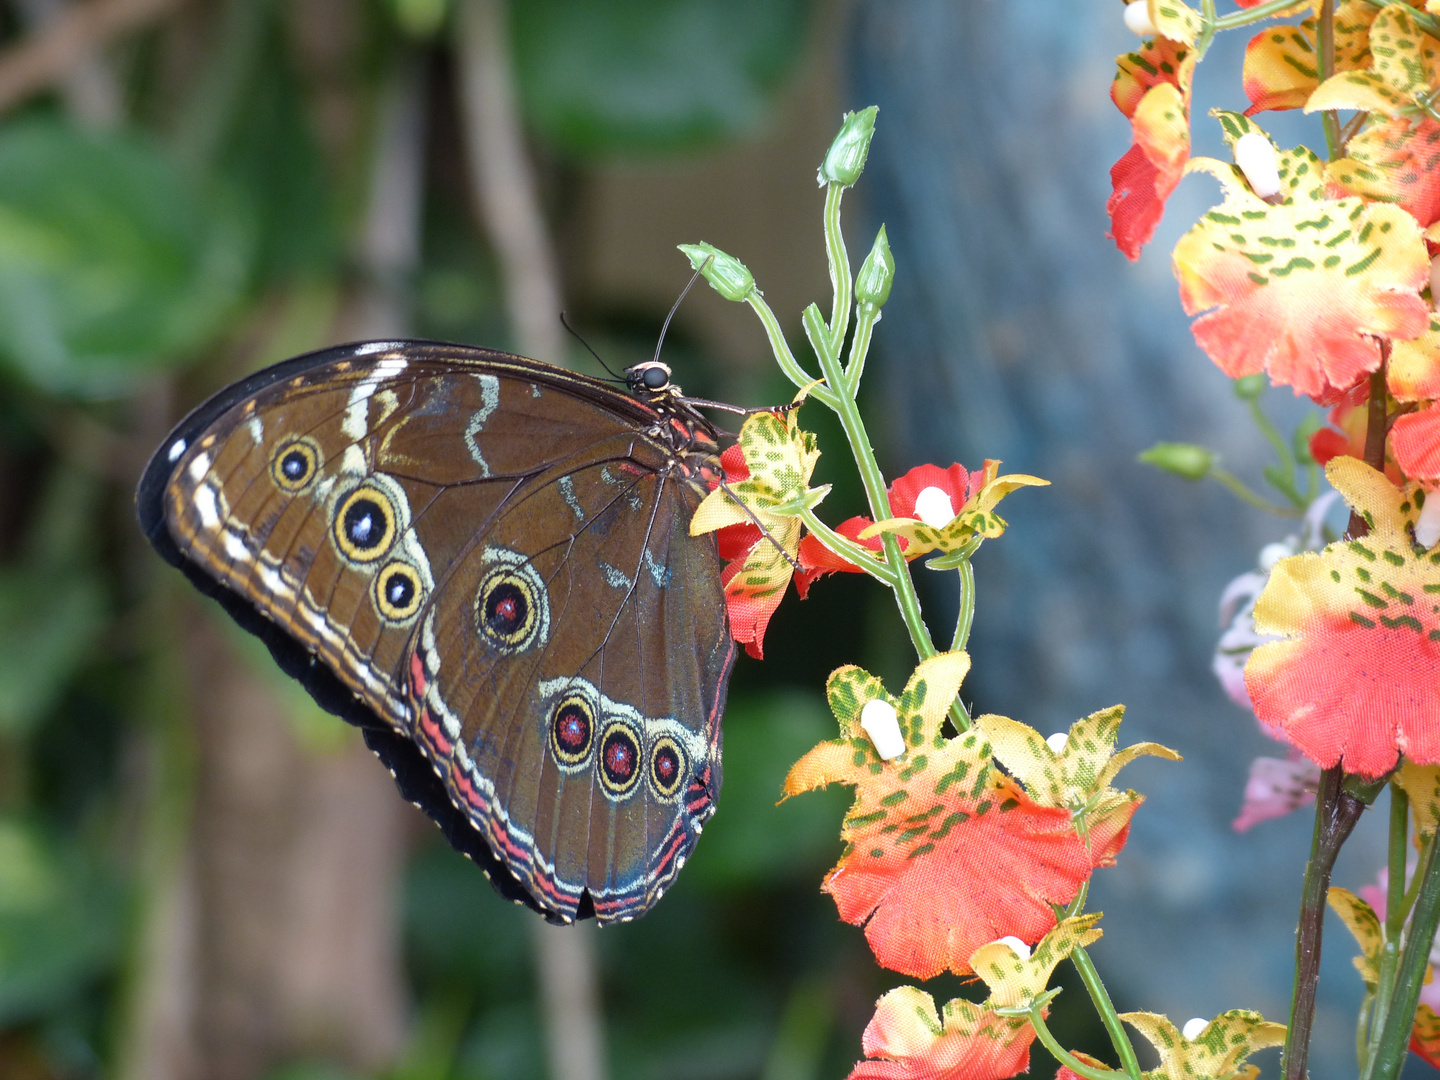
726 274
845 160
1185 460
1250 387
877 274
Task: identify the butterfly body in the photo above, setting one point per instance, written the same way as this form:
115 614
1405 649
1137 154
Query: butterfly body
485 562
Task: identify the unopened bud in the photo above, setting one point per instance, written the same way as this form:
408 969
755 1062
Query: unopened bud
845 160
877 274
934 508
1057 741
1137 19
1256 157
1250 387
878 720
1193 1027
1185 460
726 274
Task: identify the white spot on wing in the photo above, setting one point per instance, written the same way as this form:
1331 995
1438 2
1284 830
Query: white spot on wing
176 449
357 410
205 506
199 467
614 577
369 348
235 548
257 430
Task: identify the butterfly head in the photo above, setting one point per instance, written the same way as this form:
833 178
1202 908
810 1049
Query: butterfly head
649 379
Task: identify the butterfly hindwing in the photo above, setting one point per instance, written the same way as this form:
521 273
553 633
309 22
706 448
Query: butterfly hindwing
562 661
491 560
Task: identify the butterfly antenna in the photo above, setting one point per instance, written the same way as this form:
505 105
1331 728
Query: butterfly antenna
576 335
679 300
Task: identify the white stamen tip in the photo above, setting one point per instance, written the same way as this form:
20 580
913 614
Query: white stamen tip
1137 19
1270 554
934 508
1194 1027
1057 741
1018 947
877 719
1256 158
1427 525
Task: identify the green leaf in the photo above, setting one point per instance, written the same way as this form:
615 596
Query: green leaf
48 624
608 77
113 263
751 840
61 921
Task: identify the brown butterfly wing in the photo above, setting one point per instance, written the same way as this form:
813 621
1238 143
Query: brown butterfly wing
342 505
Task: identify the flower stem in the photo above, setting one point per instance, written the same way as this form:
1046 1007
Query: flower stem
966 617
1325 48
1233 484
843 394
1063 1056
1336 812
1253 15
840 279
1390 1053
1394 926
785 358
1106 1008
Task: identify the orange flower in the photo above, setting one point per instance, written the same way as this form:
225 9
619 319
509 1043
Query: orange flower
1303 289
943 852
1352 680
1152 88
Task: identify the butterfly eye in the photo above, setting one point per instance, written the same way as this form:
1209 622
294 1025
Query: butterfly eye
365 525
667 767
397 591
572 730
295 464
619 760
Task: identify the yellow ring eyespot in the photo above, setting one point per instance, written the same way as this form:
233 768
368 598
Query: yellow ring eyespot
398 591
572 730
296 462
620 764
507 609
365 524
667 767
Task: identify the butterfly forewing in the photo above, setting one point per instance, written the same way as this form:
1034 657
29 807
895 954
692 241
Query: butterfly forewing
493 557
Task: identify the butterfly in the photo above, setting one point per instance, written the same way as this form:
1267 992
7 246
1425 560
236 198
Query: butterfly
485 563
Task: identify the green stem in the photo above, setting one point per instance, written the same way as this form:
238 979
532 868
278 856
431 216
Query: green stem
1394 1039
1236 487
1285 483
862 557
1253 15
785 358
1103 1005
966 616
860 347
840 279
1063 1056
1374 1017
875 493
1336 812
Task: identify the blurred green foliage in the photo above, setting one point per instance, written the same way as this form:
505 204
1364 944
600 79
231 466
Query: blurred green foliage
136 265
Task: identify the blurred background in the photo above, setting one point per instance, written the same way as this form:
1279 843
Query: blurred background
202 876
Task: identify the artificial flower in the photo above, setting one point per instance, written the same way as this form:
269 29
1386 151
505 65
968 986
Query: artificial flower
1352 680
